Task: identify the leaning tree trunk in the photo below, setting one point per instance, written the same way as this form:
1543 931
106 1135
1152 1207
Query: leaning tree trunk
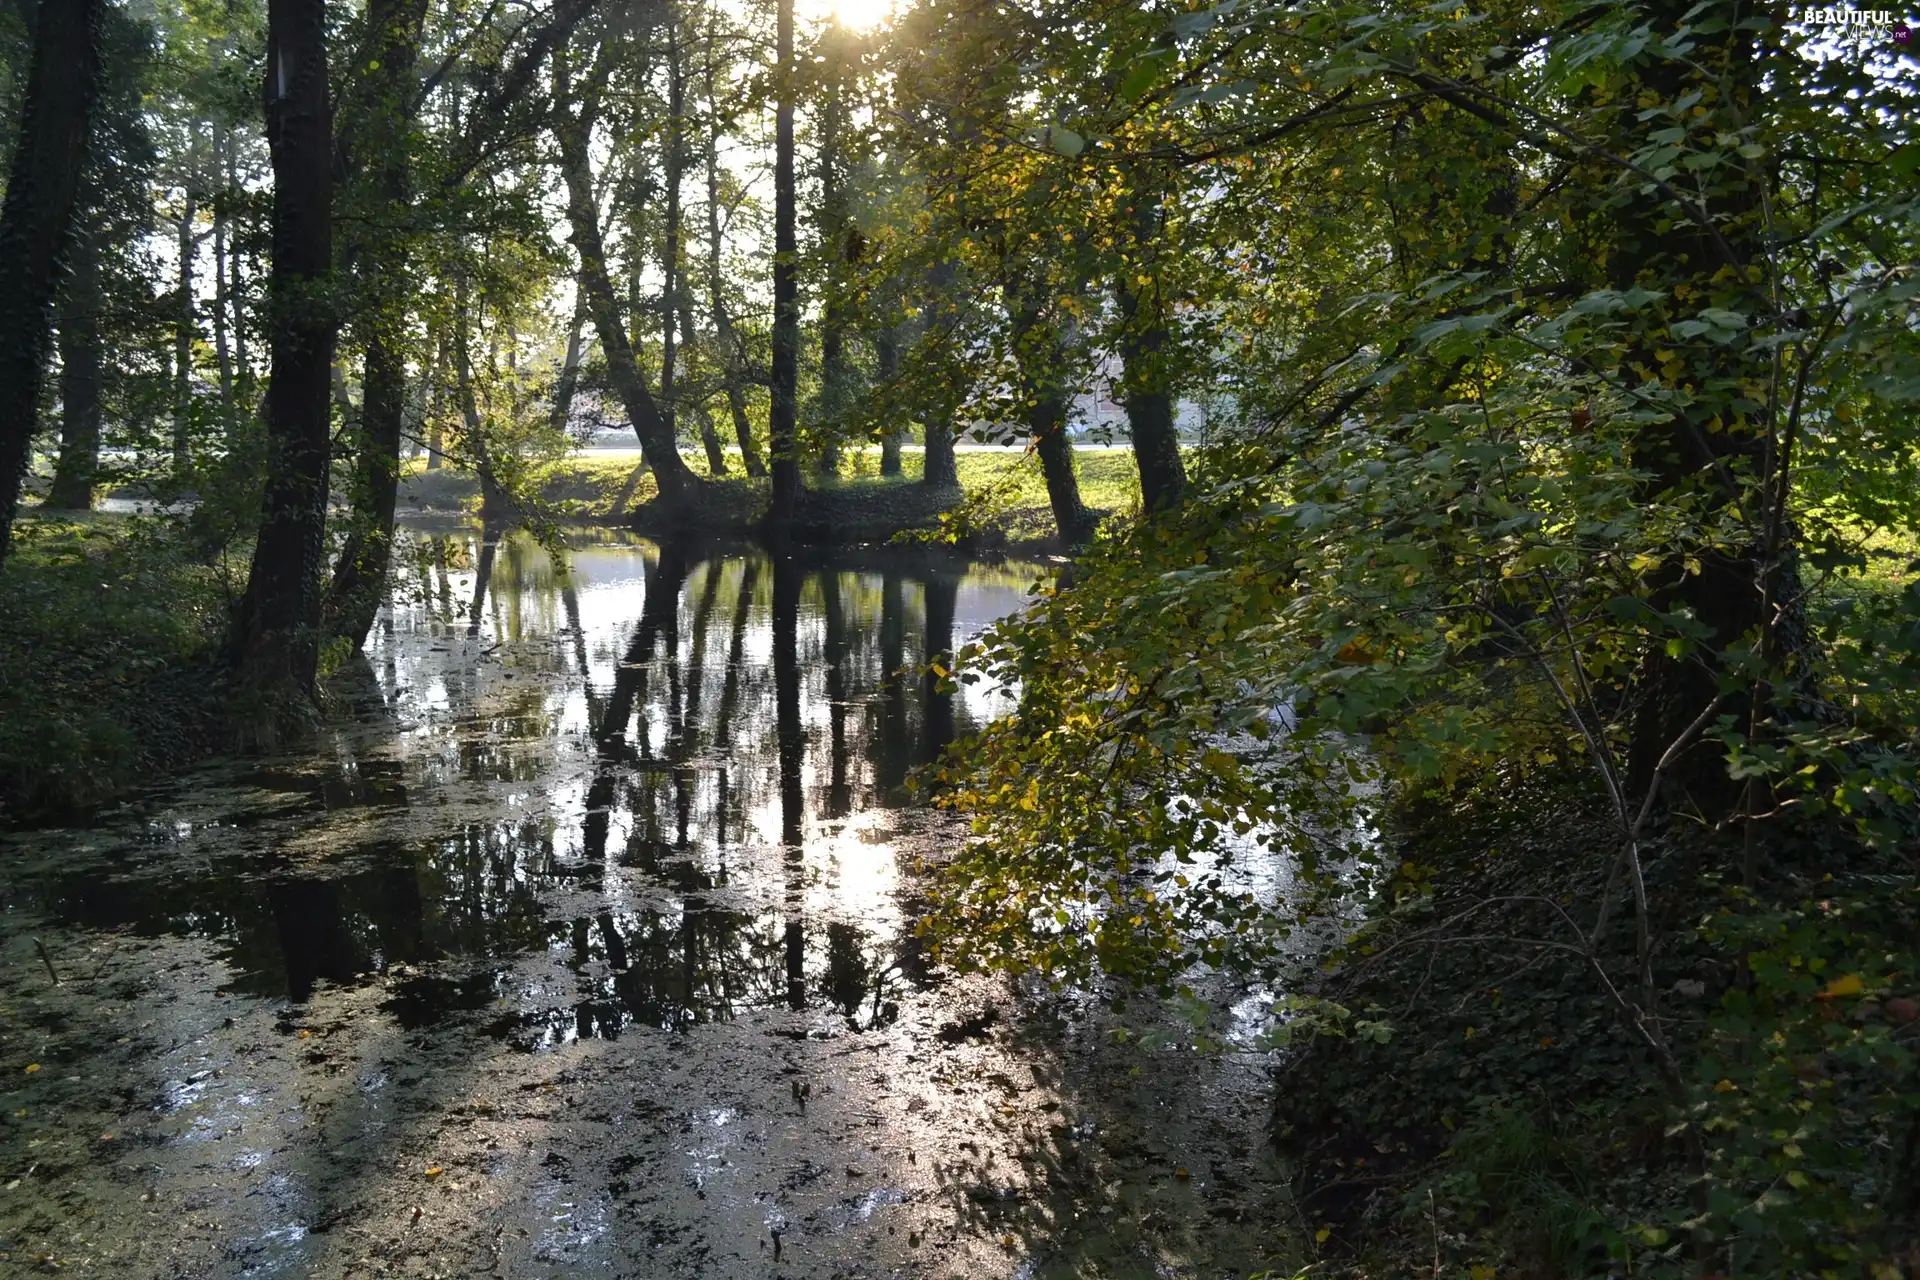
678 484
48 155
568 381
80 366
783 438
276 628
1040 350
732 355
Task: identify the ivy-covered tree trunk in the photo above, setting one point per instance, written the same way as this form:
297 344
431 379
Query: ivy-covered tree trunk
678 484
276 634
782 427
42 184
1710 448
80 373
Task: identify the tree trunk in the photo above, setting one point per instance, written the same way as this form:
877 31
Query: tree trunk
276 631
731 354
1708 453
80 365
941 469
886 352
185 326
569 380
493 499
436 406
222 344
677 482
781 428
382 125
833 237
48 155
236 300
672 162
1145 382
1040 348
360 574
1047 420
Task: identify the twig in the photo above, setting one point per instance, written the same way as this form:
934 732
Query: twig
46 958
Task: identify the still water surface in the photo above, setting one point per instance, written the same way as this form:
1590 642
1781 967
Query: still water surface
583 942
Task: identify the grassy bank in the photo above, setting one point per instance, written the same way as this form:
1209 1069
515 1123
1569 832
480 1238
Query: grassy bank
107 673
1005 494
1510 1124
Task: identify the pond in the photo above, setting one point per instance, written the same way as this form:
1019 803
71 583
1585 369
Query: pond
582 942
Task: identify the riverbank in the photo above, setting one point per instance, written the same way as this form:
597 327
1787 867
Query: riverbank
109 675
1512 1123
1000 504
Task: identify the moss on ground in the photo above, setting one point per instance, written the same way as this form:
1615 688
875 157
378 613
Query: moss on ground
108 660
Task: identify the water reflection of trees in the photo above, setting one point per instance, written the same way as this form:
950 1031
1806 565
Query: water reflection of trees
743 708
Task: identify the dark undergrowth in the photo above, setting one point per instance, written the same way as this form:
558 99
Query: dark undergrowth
1512 1126
109 633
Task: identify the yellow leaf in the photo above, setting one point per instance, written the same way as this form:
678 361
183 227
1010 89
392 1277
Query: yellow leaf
435 1171
1483 1273
1320 1236
32 1067
1849 985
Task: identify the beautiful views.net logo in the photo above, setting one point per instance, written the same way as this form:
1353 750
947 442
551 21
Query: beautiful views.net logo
1860 19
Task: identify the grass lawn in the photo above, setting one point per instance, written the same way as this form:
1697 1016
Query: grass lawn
1006 487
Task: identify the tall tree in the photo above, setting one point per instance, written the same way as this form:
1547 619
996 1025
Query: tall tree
732 353
571 128
35 223
81 361
377 159
1145 382
275 641
782 428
